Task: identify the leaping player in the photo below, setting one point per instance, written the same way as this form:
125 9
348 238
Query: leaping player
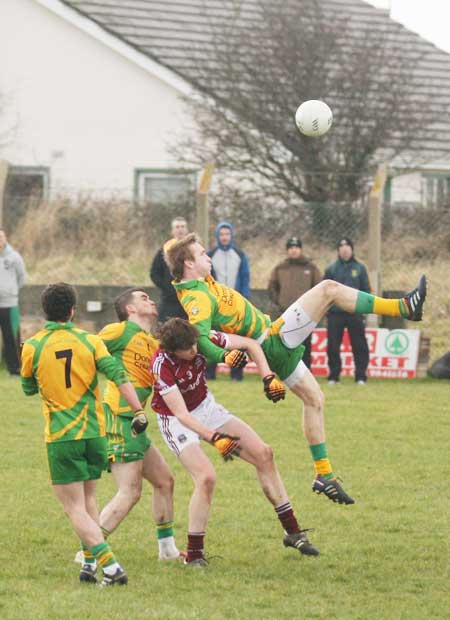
210 305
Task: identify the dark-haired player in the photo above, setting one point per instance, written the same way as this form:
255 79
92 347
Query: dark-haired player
61 363
188 412
210 305
134 457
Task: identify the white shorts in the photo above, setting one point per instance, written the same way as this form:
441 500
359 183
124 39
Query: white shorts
297 325
178 437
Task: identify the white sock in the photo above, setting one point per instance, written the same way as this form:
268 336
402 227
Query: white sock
167 547
111 569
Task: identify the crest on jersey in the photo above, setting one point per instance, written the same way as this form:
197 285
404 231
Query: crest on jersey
194 311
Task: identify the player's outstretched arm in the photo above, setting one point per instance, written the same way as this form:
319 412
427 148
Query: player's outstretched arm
273 388
228 446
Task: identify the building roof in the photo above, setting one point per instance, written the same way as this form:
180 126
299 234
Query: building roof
173 32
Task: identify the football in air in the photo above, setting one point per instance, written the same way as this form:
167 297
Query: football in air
313 118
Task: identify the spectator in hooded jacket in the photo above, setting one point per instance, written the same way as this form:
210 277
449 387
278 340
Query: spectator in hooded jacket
169 306
12 278
351 272
229 266
290 279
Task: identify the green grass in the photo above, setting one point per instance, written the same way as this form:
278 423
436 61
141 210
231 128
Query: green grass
386 557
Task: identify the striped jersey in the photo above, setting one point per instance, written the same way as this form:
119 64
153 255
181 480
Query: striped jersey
61 363
170 372
210 305
133 348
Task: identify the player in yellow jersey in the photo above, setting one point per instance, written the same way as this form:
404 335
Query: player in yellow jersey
133 459
210 305
60 363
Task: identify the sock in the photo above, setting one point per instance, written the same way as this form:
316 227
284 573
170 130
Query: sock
164 530
322 463
104 556
287 518
371 304
88 558
195 546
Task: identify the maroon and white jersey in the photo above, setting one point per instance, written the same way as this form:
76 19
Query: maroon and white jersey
170 372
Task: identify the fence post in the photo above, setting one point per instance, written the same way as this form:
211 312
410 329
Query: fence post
3 176
202 222
375 207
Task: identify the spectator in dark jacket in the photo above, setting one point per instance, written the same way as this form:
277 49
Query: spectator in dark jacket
290 279
169 306
229 266
347 270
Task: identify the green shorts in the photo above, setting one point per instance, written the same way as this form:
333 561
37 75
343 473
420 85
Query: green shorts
77 460
122 446
282 360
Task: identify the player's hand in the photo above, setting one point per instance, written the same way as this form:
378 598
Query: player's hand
139 423
227 445
235 358
274 389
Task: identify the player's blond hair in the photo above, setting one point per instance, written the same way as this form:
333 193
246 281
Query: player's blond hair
178 252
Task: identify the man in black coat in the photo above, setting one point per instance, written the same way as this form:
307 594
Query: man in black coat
169 306
347 270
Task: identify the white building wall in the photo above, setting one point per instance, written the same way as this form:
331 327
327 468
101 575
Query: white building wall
78 107
407 188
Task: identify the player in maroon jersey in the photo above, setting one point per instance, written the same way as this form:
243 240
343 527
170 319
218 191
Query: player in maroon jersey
188 412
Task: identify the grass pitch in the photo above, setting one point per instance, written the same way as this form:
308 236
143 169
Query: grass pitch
386 557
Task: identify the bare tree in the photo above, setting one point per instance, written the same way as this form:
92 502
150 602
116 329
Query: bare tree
263 59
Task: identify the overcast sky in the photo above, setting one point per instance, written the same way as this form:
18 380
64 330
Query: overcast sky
429 18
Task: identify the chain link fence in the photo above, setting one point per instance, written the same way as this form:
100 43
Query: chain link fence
112 241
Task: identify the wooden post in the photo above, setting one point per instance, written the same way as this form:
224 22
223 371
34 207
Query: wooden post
375 212
3 177
202 223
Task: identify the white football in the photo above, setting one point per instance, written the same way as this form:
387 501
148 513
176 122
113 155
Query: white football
313 118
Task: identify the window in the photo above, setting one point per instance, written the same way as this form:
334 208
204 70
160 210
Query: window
159 187
25 186
436 191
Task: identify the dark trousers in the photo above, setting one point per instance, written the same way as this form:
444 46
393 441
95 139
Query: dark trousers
237 374
356 329
9 325
306 359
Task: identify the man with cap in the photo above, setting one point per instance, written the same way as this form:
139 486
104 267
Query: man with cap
295 275
351 272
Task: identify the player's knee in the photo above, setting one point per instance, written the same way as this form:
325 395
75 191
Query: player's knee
264 455
165 484
314 399
131 494
329 289
207 482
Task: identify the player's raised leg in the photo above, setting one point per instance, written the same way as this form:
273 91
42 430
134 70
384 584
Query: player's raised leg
317 301
195 461
260 454
158 474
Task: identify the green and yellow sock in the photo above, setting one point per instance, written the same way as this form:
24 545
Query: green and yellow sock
164 530
87 555
371 304
322 463
103 554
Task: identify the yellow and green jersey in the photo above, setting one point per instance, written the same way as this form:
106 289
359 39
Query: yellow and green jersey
210 305
61 363
133 348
